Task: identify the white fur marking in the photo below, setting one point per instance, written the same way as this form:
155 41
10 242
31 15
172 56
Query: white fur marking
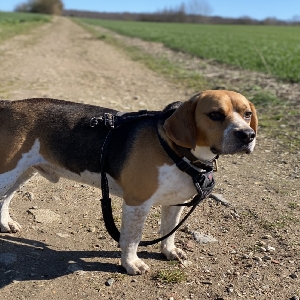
170 216
32 157
238 122
133 218
87 177
229 141
174 186
203 153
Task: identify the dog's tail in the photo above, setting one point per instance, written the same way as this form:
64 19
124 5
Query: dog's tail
3 105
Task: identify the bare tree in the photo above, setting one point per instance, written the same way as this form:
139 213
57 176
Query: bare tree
296 19
53 7
270 21
22 7
199 7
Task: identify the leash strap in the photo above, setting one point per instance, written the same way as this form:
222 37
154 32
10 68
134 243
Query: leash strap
106 200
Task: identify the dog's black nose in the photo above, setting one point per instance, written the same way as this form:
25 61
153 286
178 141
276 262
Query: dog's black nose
245 135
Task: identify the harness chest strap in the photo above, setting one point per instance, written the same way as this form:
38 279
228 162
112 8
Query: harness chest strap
194 161
203 181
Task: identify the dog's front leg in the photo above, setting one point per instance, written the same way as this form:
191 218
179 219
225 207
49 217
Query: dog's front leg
7 224
170 216
133 218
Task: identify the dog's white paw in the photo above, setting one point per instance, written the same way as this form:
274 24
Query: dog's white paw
136 267
175 253
10 226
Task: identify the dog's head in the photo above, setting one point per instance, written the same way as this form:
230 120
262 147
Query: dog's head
223 121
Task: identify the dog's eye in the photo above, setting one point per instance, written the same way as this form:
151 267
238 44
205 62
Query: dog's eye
216 116
247 115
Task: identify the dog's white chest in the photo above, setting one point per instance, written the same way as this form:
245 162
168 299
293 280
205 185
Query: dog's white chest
174 187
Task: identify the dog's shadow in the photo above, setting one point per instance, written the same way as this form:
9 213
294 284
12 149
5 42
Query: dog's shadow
24 260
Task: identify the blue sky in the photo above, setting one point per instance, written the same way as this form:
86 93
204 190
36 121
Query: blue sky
257 9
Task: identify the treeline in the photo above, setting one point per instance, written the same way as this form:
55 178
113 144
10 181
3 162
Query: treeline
51 7
194 11
176 17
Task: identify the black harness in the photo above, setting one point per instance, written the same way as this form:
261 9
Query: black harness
203 180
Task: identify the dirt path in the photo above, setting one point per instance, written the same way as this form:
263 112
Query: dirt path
69 254
63 61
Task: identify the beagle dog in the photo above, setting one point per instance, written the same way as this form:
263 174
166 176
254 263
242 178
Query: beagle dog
53 138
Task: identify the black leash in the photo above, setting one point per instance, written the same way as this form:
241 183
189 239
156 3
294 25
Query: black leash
203 181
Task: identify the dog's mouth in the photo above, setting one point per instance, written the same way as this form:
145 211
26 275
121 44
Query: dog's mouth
232 149
246 149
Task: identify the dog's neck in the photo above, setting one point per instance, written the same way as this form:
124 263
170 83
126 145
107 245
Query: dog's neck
203 153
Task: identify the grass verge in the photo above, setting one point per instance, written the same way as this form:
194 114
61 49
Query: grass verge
278 119
12 24
269 49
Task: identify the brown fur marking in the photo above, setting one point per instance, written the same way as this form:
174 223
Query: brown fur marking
14 138
139 177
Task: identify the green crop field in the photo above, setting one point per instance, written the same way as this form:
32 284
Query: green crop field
270 49
17 23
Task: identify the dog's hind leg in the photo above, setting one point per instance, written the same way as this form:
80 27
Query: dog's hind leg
7 224
170 216
133 218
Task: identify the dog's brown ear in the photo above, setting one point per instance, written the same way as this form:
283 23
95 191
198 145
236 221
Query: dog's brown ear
254 120
181 126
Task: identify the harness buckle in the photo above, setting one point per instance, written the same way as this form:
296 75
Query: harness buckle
216 165
109 120
94 122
